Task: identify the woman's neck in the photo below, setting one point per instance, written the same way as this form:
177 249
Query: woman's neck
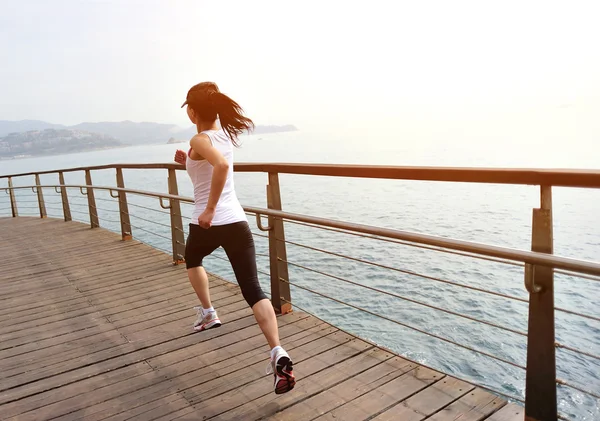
206 125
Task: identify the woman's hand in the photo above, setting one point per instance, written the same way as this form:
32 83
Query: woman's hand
180 157
205 219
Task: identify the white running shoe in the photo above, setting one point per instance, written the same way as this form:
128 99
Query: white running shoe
281 368
206 321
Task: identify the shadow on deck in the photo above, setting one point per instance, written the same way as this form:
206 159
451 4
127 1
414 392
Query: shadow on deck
94 328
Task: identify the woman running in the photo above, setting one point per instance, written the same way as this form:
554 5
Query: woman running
218 219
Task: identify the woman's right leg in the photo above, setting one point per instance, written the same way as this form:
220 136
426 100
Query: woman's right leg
200 243
199 280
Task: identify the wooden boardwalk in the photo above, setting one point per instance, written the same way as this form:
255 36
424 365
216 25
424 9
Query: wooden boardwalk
93 328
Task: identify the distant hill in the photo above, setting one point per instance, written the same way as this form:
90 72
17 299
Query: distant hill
53 142
132 133
7 127
127 132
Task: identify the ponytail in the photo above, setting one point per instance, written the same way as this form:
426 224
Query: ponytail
230 115
208 102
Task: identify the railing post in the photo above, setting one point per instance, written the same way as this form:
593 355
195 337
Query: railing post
91 201
13 199
123 208
280 291
540 383
40 196
177 239
65 197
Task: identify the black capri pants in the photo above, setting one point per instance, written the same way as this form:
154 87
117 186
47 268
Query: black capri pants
237 241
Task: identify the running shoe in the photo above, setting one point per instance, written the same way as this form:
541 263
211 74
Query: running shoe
281 368
206 321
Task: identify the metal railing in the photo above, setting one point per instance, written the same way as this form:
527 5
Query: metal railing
538 265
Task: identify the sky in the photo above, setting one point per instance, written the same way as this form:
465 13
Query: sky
520 71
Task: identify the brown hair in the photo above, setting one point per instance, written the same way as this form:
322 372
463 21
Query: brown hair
208 102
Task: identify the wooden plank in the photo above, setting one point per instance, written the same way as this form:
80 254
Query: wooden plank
31 332
53 315
64 334
40 354
43 364
474 406
510 412
385 396
428 401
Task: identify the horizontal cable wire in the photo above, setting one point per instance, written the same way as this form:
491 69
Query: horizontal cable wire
113 221
577 275
85 205
149 221
517 399
575 313
25 201
408 326
464 316
28 207
151 232
263 254
54 208
148 208
572 386
109 210
577 351
79 212
409 272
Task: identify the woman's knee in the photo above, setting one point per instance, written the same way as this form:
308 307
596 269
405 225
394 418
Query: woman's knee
252 292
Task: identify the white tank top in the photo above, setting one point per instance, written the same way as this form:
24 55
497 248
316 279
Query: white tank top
228 210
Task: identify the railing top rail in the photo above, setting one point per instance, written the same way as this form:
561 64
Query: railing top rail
526 176
574 265
521 176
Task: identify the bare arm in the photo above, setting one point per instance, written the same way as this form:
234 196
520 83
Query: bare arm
202 146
